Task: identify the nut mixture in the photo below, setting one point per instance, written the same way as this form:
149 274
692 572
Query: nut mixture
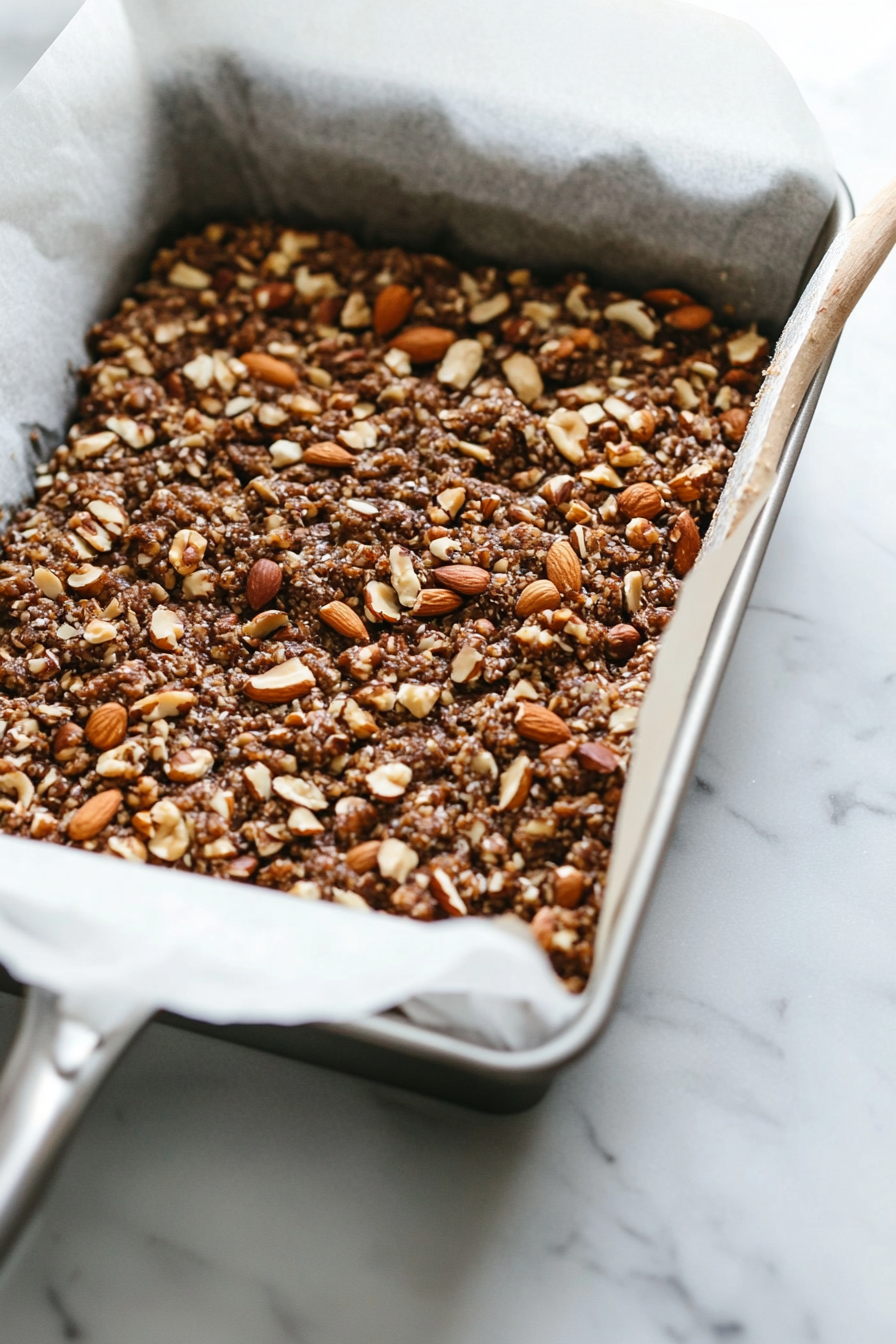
349 577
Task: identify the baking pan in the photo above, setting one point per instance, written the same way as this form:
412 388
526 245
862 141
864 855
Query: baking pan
391 1049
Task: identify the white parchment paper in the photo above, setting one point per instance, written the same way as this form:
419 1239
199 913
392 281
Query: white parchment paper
563 139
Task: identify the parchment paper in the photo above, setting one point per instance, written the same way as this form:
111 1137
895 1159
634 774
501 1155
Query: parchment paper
563 138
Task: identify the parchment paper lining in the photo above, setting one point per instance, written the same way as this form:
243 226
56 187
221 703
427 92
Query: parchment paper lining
449 138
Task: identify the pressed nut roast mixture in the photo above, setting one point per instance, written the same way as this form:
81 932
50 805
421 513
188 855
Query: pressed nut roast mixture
348 579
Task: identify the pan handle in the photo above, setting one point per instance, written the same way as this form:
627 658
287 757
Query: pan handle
56 1064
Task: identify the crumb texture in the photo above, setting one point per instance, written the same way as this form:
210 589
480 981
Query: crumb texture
349 577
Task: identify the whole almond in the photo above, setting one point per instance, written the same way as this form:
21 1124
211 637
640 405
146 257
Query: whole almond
641 500
391 308
263 583
685 539
269 369
569 883
667 298
92 816
280 683
468 580
598 757
540 725
107 726
564 569
275 294
340 617
436 602
622 640
689 317
327 455
424 345
542 595
361 858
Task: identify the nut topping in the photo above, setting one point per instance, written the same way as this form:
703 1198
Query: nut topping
424 345
460 364
685 539
569 433
515 783
165 628
542 595
404 577
598 757
564 568
540 725
381 602
263 583
94 815
391 308
280 684
187 550
271 370
106 726
522 374
343 620
396 860
328 455
446 893
468 580
436 602
361 858
389 780
642 500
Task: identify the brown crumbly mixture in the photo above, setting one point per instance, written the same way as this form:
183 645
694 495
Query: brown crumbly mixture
129 575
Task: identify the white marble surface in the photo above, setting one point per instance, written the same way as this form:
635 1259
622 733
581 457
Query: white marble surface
723 1165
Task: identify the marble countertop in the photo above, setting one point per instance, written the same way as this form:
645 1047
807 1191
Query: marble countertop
722 1165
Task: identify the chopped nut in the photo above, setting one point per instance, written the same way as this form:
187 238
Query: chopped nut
302 792
404 578
286 681
302 821
258 777
389 780
446 893
461 364
189 764
165 628
522 374
488 309
515 783
264 624
396 860
122 762
569 434
418 699
467 664
635 315
188 277
99 632
381 602
632 587
187 550
170 838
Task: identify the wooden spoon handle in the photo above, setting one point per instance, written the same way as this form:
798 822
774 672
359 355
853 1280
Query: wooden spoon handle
843 275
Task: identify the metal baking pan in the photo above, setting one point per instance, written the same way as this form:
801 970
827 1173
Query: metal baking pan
391 1049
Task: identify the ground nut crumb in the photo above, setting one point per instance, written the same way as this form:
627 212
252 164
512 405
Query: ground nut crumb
300 535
